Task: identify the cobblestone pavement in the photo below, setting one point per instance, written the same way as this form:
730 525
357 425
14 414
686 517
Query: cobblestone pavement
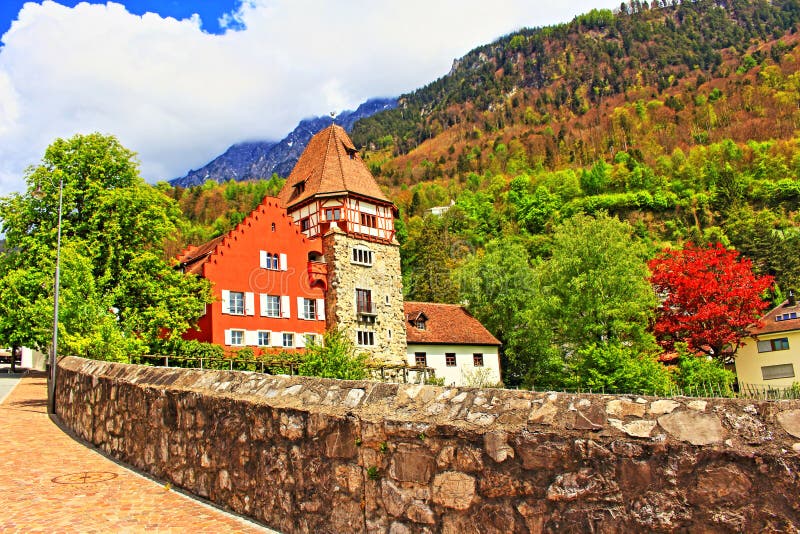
50 482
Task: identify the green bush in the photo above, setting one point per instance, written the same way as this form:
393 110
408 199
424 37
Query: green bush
701 373
615 368
336 357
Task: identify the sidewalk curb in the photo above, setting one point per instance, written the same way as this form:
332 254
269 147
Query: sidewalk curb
10 391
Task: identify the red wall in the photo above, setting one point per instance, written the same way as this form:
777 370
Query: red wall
235 266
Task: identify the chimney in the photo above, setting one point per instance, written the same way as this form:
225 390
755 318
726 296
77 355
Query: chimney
792 300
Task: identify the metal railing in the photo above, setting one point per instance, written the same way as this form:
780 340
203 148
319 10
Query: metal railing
275 366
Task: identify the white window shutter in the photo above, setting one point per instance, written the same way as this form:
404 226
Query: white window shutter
226 302
227 337
250 337
262 261
286 311
249 304
300 310
283 262
276 339
300 341
262 297
321 309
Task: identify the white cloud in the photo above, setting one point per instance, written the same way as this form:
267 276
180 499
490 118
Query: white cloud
179 96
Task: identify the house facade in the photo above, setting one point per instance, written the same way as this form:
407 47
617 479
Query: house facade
446 338
267 284
770 357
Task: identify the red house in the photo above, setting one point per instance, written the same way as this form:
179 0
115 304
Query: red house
267 282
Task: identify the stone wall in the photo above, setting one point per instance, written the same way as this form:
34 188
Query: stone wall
383 279
312 455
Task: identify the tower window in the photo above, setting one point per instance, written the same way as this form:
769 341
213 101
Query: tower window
333 214
305 224
273 227
365 338
364 301
361 256
369 220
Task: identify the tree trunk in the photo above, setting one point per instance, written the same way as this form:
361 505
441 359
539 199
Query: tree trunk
14 350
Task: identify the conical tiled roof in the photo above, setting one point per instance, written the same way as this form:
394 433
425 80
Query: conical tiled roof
330 164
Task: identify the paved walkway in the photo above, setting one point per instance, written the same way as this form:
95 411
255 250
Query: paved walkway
51 483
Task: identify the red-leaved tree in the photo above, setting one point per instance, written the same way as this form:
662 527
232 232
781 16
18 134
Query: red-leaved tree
709 297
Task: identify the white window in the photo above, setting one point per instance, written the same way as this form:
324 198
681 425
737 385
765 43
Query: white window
270 306
236 303
361 255
270 261
236 337
771 372
263 339
307 308
365 338
311 339
288 339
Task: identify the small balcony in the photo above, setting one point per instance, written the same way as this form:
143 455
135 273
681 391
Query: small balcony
318 274
366 309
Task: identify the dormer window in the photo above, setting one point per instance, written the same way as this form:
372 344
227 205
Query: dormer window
298 189
351 152
419 322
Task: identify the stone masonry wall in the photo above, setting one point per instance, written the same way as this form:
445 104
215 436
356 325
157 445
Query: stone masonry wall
383 278
313 455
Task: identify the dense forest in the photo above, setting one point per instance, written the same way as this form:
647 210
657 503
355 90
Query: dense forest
653 126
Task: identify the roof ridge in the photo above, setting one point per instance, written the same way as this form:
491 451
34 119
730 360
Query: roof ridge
325 157
339 156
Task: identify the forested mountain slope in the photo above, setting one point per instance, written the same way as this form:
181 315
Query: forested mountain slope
650 127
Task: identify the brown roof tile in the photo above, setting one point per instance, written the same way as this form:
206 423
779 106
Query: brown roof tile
193 258
446 324
330 164
771 324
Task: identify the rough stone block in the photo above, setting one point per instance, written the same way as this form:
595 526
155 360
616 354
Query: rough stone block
692 427
454 490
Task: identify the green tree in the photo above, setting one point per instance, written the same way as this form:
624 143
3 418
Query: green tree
595 285
502 290
118 292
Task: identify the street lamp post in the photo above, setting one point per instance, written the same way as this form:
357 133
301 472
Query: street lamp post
51 385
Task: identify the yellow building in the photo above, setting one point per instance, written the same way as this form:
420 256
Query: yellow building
770 358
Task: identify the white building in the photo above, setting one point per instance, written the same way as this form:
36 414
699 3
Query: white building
446 338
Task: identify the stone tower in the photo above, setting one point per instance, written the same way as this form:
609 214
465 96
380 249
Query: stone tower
332 196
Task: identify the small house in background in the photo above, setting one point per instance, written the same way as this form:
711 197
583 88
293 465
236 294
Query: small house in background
446 338
440 210
770 357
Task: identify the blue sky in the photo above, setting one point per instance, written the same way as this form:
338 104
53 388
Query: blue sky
210 11
178 88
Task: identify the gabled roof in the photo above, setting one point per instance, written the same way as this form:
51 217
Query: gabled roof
449 324
330 164
192 259
779 319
